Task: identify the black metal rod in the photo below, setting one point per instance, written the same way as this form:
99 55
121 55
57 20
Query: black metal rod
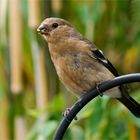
129 78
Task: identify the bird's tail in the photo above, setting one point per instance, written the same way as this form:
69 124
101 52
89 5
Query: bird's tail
129 102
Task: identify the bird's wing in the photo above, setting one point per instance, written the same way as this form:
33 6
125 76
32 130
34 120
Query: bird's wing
98 54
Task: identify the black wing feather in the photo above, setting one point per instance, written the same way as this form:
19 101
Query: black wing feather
101 58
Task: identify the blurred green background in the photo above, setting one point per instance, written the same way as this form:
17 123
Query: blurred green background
32 98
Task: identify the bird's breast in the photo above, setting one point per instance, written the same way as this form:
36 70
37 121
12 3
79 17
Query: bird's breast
74 73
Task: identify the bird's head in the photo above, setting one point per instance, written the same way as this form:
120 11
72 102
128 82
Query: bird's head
55 29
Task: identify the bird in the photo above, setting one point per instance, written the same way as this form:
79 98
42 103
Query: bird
80 65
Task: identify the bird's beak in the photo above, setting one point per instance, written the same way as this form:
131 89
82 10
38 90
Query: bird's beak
42 29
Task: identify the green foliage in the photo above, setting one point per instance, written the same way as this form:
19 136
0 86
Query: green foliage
43 130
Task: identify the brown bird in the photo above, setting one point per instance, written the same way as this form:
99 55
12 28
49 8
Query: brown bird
80 65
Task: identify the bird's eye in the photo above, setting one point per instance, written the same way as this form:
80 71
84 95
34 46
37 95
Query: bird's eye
55 25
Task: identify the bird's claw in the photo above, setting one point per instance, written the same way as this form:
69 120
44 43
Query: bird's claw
65 114
98 89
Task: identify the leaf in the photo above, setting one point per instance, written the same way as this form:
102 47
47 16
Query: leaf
96 116
57 104
77 133
49 128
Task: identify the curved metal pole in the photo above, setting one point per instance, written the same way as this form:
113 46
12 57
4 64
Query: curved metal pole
129 78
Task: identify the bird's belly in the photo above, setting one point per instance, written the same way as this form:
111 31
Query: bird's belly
79 77
77 85
72 77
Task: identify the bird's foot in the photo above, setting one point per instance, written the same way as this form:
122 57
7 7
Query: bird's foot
98 89
65 114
